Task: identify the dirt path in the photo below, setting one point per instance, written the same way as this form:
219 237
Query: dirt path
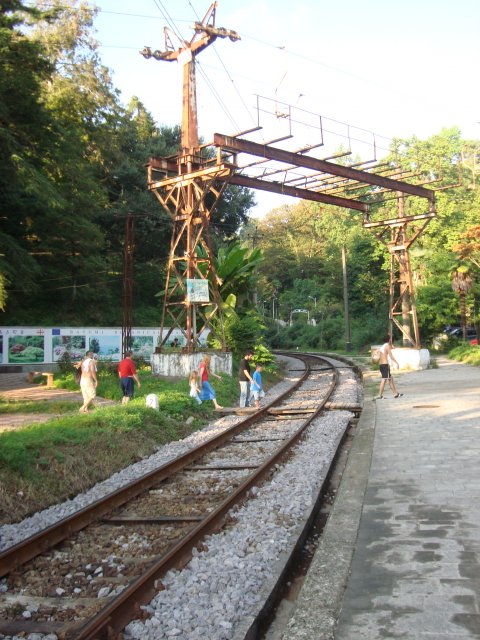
14 386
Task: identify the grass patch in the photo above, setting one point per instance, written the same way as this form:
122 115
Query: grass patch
38 406
47 463
43 464
470 354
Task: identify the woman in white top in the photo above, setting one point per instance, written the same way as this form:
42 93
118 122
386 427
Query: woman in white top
88 381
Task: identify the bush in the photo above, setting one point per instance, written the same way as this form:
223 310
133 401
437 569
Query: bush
470 354
368 330
241 333
262 355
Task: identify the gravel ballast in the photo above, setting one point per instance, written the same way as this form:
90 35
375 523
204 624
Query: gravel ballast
223 587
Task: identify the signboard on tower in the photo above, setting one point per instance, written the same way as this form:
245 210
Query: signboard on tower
197 290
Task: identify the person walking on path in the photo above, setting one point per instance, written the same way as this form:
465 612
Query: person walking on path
194 388
88 381
386 354
127 374
207 392
245 378
257 387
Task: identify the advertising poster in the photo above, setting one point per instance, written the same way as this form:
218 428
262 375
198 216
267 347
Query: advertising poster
142 346
106 347
74 346
23 349
48 345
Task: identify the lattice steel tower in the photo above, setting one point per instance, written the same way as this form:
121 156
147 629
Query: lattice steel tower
187 181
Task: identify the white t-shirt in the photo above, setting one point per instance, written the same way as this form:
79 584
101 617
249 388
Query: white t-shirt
86 365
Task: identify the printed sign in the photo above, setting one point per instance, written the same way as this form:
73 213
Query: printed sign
197 290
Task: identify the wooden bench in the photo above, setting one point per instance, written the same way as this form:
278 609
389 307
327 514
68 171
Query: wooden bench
47 374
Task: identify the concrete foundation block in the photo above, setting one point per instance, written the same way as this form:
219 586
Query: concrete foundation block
179 365
408 358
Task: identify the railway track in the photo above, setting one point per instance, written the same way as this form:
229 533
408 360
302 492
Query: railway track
89 575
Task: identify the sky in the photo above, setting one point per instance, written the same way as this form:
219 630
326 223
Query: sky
368 70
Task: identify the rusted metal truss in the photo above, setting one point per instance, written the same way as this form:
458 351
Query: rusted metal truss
189 188
185 197
188 179
325 181
398 234
352 188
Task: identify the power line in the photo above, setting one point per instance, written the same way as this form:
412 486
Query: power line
194 11
217 96
72 286
66 277
51 5
172 23
169 20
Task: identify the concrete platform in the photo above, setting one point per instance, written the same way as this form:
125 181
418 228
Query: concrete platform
400 555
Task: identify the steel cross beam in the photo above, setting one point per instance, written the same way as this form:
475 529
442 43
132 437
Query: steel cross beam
236 145
296 192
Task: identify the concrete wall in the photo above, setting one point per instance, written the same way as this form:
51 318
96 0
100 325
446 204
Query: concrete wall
179 365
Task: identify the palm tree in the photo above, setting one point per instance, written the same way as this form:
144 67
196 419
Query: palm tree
461 284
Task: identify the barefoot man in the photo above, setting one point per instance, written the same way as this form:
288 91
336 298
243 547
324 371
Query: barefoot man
386 353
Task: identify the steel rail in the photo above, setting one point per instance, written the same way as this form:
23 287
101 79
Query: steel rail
119 612
111 619
40 542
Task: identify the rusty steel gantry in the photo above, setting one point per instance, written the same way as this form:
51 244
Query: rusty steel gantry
339 185
182 183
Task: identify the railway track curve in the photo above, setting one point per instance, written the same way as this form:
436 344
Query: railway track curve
104 564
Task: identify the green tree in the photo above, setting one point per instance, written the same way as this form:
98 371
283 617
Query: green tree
461 285
25 137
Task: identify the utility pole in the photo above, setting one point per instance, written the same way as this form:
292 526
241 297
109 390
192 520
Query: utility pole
192 285
127 297
405 282
348 344
254 246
